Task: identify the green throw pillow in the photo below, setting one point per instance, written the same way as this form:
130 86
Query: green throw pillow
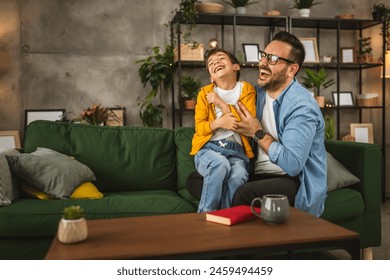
50 171
338 175
8 182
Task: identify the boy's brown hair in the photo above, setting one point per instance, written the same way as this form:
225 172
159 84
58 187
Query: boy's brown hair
232 58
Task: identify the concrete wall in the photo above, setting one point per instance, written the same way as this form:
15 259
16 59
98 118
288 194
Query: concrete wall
72 53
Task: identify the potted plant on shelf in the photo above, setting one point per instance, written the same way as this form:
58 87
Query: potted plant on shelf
316 80
364 51
190 89
304 6
239 5
72 227
157 71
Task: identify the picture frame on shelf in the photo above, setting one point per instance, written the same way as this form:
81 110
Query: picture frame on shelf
251 52
345 97
311 49
31 115
116 117
347 55
362 132
10 139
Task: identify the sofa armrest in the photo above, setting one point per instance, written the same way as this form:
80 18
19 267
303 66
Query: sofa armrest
365 162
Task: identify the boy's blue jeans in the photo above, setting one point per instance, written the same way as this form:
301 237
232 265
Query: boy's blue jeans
223 167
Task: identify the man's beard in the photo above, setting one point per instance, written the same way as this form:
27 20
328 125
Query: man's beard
276 81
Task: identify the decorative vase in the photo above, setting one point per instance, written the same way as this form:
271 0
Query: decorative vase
304 12
240 10
72 231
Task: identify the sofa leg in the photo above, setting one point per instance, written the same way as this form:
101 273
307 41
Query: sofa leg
367 253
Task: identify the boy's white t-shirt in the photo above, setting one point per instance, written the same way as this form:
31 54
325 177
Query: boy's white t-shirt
231 97
263 163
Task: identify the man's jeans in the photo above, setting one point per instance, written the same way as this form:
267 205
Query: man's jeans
223 167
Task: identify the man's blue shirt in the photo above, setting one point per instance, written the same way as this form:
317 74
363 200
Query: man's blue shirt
300 150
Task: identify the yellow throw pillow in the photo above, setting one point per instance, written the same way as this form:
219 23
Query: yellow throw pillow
86 190
33 192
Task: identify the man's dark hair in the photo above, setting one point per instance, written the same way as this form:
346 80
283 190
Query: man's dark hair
232 58
297 53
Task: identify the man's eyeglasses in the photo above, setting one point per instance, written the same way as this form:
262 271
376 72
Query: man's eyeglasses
272 59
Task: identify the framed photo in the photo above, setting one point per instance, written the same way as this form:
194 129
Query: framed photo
310 45
9 139
116 117
346 98
362 132
45 114
251 52
347 55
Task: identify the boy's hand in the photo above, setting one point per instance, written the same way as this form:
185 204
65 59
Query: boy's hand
213 98
227 121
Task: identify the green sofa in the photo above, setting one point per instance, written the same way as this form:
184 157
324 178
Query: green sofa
143 171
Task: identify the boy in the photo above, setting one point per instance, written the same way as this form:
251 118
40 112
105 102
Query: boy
221 155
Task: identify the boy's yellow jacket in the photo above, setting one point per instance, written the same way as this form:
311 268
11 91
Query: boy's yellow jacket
205 113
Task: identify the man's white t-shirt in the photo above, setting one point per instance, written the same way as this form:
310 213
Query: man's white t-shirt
263 163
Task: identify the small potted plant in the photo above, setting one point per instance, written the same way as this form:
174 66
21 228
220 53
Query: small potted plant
364 51
72 227
190 89
316 80
239 5
304 6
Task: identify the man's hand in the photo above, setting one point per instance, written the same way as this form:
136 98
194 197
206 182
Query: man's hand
248 125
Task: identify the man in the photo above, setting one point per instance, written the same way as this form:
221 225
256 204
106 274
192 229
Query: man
288 131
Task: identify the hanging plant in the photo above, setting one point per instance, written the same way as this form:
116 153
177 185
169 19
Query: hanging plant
186 13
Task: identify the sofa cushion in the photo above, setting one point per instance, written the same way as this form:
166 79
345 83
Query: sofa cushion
8 182
51 172
338 176
343 204
34 192
86 190
28 217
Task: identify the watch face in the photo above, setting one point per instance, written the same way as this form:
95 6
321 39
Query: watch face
260 134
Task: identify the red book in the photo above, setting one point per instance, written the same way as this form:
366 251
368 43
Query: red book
232 216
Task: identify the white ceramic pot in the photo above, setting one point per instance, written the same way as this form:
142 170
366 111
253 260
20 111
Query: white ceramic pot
240 10
304 12
72 231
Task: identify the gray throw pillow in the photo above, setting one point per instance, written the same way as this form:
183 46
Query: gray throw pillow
8 181
338 175
50 171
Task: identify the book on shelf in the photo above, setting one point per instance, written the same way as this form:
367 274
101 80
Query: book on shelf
232 216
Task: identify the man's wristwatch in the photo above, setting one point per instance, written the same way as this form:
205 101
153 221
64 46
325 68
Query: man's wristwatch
259 134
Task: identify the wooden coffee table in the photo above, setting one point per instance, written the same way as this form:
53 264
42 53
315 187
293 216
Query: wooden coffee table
190 236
